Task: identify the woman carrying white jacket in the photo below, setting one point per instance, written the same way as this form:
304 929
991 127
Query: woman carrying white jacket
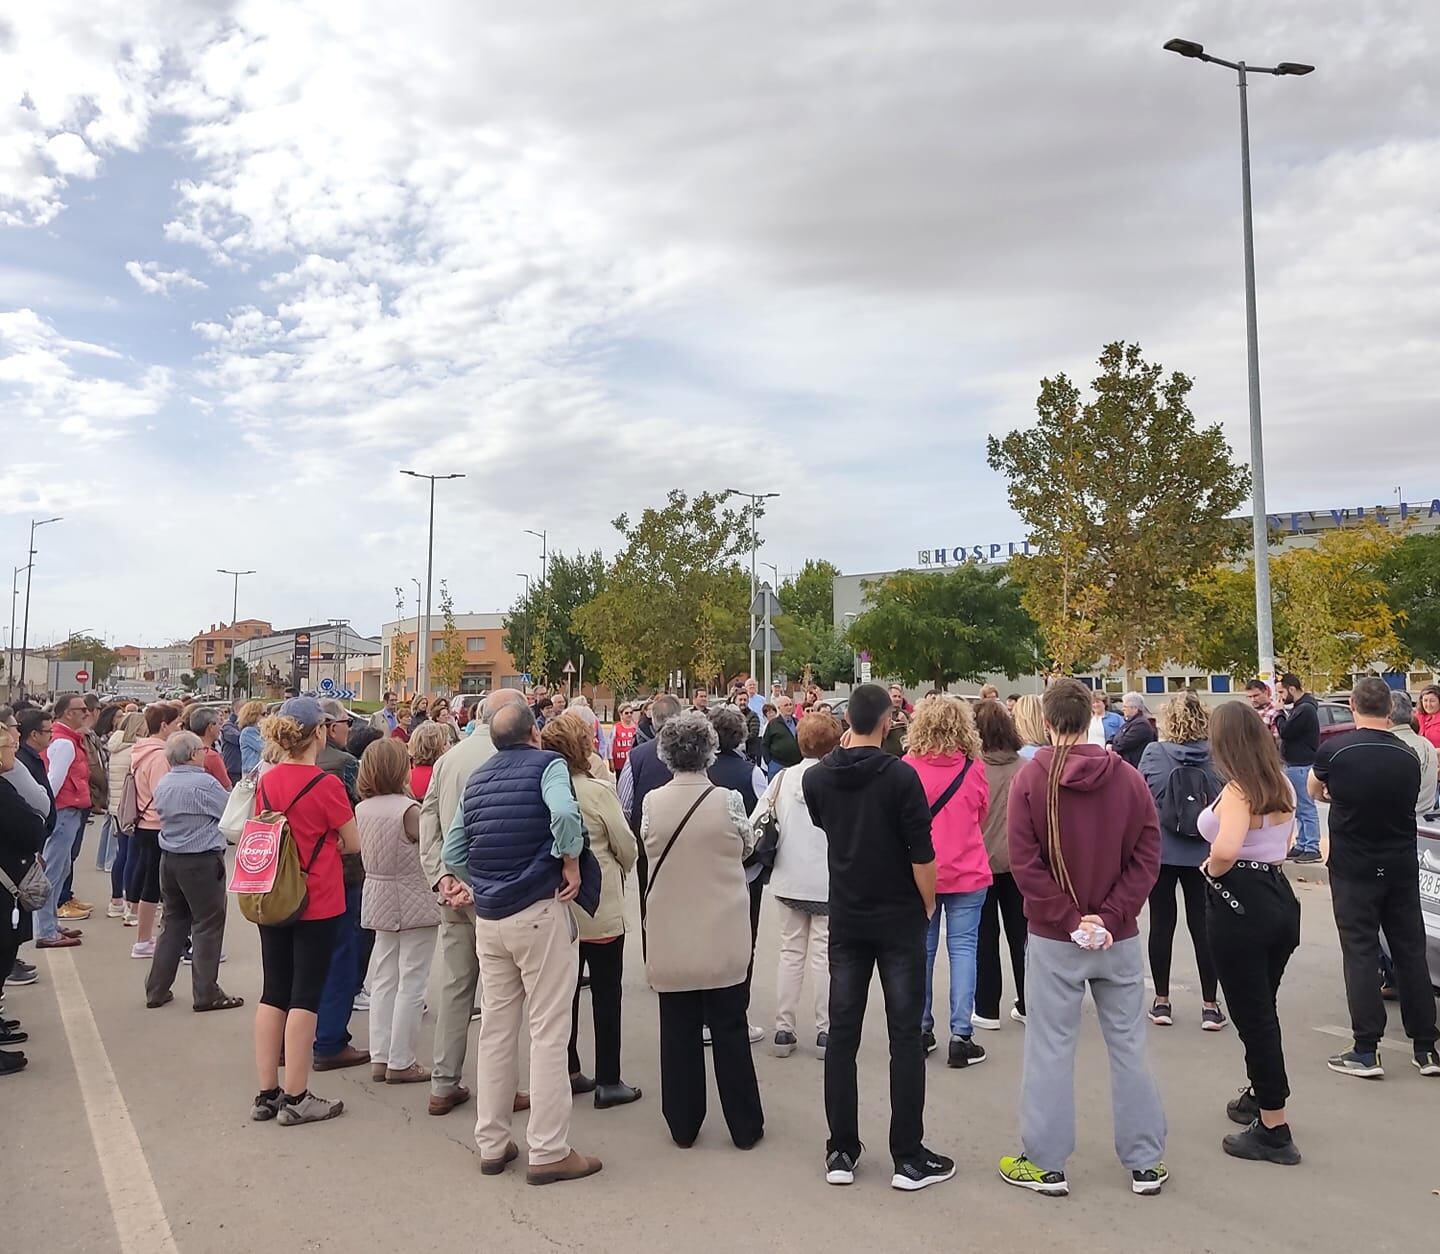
800 884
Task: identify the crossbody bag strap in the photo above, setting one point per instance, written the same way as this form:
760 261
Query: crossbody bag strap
670 844
944 798
319 844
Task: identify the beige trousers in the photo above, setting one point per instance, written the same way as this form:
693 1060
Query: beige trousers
802 935
461 970
528 967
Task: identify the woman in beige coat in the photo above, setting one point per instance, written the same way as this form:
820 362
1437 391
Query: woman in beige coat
121 745
697 935
602 938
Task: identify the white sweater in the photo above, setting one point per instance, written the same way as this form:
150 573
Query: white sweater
802 868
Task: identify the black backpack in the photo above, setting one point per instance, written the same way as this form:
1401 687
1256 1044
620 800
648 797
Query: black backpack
1188 791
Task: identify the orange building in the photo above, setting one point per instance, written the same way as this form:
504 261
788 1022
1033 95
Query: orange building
487 665
211 649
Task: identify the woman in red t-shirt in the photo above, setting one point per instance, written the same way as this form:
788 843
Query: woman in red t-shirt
296 959
622 739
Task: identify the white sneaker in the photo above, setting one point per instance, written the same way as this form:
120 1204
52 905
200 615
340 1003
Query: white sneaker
115 910
188 959
361 1002
1017 1014
990 1025
142 949
756 1034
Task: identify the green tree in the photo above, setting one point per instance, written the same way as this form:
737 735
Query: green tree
676 596
89 649
242 675
400 649
1411 574
189 682
1126 501
809 594
807 626
546 620
1219 622
939 627
447 666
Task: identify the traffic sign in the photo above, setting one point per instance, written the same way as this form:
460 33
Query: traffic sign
568 668
327 686
82 677
865 672
762 597
757 641
527 679
346 694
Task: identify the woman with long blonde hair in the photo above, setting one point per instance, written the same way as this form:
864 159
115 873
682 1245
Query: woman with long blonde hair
944 748
1030 724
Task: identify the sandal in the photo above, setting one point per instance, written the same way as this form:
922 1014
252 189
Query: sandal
224 1003
164 999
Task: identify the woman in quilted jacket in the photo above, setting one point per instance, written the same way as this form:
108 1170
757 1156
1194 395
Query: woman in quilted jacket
398 905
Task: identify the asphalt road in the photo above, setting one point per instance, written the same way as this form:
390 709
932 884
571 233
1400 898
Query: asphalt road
130 1131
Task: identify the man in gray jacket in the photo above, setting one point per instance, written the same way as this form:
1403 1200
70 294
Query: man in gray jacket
458 960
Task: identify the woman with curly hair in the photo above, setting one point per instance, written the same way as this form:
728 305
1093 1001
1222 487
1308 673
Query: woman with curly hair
944 748
428 742
1183 781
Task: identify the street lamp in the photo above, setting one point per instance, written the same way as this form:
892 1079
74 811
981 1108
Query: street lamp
10 648
755 499
422 668
544 538
29 573
234 611
529 610
1264 627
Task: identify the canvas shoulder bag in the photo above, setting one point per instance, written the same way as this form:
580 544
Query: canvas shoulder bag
269 881
32 891
127 817
238 808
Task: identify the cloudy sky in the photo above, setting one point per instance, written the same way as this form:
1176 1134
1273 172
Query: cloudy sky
256 257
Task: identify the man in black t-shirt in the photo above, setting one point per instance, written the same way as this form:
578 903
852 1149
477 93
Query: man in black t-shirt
1372 780
872 809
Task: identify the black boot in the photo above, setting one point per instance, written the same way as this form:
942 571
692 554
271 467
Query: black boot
1263 1145
608 1095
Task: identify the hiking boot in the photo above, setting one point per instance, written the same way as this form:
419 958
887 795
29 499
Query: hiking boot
920 1173
1353 1062
1263 1145
1024 1174
574 1167
840 1166
1244 1109
785 1043
495 1166
965 1053
308 1109
1149 1182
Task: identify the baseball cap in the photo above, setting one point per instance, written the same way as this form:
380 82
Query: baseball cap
333 710
304 710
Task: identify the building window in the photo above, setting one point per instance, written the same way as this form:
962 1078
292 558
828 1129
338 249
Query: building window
1219 683
385 659
1155 684
436 646
474 644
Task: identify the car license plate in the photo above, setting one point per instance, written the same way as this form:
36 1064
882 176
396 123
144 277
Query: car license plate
1430 885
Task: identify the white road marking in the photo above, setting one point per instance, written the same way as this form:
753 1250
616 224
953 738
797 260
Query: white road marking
140 1220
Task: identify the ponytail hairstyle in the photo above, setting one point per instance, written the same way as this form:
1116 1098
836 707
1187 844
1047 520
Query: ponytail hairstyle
1067 714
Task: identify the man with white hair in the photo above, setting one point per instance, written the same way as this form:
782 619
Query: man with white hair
457 1005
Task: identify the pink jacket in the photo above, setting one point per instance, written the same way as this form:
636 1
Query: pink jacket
961 864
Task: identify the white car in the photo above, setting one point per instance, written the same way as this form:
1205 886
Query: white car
1428 851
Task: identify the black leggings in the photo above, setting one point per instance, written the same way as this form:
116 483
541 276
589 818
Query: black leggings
1164 914
295 961
142 867
605 963
1003 902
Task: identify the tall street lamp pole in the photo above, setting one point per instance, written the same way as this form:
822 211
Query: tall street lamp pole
529 610
544 538
422 670
755 499
29 573
10 648
234 612
1264 627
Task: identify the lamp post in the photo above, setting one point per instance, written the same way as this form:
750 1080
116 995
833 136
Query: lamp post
544 538
10 648
1264 627
422 667
755 499
529 610
234 611
29 573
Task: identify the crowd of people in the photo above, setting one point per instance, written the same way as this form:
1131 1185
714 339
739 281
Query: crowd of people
508 835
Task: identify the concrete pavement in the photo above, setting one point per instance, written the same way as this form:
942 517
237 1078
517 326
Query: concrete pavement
130 1132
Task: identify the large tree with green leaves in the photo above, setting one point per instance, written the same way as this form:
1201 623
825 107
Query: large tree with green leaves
1126 501
1411 573
90 649
807 626
937 627
676 596
540 628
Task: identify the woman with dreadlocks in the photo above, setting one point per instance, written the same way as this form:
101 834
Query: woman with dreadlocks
1085 853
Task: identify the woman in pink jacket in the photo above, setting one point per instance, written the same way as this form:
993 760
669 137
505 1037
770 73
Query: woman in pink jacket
944 748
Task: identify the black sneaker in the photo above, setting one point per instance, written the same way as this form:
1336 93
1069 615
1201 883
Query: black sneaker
784 1045
22 973
964 1052
1352 1062
922 1172
1149 1182
822 1043
1427 1061
927 1039
1263 1145
1244 1109
840 1166
1304 855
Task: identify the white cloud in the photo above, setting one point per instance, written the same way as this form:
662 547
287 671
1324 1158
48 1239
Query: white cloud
158 282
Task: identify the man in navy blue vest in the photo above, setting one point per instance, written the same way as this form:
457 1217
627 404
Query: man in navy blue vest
643 773
516 840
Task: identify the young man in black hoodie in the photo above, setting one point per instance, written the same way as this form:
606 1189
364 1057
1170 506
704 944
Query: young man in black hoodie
873 811
1298 727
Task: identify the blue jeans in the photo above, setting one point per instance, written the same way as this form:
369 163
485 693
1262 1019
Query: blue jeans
59 853
332 1027
962 928
1307 818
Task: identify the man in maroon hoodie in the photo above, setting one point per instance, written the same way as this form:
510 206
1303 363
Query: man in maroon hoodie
1085 853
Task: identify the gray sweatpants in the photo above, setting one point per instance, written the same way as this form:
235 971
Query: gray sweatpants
1056 973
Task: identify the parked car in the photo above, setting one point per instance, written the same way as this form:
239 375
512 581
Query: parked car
1336 718
1428 851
